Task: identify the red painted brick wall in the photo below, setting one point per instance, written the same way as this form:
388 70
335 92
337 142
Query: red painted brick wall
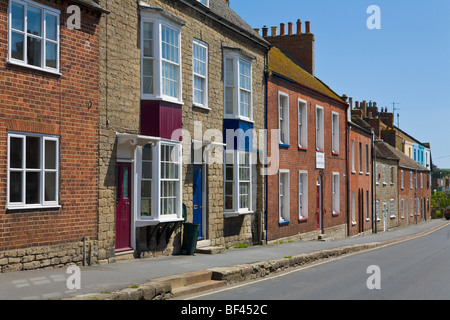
294 159
39 102
360 182
408 193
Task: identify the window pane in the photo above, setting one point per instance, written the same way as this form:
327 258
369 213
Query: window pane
229 72
125 182
15 187
245 103
147 170
51 27
34 21
34 47
146 189
51 51
17 16
50 154
17 46
16 153
32 188
244 75
199 89
50 186
33 153
146 207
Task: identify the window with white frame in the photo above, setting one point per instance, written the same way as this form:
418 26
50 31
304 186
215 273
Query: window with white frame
353 207
384 174
421 180
377 210
392 174
146 180
410 180
353 155
335 132
238 181
367 160
360 158
33 35
411 207
367 205
283 117
302 124
377 178
303 194
160 181
283 192
160 58
336 193
200 68
392 208
33 171
319 129
204 2
402 209
238 86
401 179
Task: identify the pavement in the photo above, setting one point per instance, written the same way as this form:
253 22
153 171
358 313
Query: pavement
176 276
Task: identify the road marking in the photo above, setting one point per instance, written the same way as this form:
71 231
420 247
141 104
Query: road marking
315 264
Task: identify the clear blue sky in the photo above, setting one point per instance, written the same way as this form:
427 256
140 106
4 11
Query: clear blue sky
407 61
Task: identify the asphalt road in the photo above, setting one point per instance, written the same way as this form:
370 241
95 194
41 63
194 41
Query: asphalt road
417 269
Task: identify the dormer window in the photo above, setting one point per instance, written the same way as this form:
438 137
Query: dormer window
160 58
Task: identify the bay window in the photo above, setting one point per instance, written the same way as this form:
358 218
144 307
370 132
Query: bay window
33 171
33 35
160 57
159 181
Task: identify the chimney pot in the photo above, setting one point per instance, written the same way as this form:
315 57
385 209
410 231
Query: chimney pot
308 27
299 26
265 31
274 31
282 29
290 28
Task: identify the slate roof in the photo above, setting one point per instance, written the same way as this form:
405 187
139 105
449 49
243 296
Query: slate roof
280 63
384 151
91 4
227 16
405 161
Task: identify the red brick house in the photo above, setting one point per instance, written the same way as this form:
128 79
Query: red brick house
307 196
48 132
360 179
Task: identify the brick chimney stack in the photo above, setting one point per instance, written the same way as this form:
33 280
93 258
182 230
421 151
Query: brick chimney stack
299 46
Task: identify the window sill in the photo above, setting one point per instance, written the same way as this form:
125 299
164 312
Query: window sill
353 223
361 173
334 153
230 214
302 148
303 220
147 97
154 222
24 65
282 145
392 217
283 223
33 207
353 172
199 106
335 214
229 117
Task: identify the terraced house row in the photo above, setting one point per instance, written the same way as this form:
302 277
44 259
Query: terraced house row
122 120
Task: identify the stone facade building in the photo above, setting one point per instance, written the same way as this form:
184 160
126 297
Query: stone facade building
48 133
175 76
308 192
386 187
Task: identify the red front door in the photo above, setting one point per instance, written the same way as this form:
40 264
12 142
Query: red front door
123 241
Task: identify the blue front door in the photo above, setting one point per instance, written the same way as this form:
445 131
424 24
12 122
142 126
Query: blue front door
198 203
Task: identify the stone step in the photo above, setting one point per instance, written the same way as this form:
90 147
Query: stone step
210 250
197 287
188 279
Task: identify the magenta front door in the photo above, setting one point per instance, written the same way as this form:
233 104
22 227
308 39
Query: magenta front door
123 241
